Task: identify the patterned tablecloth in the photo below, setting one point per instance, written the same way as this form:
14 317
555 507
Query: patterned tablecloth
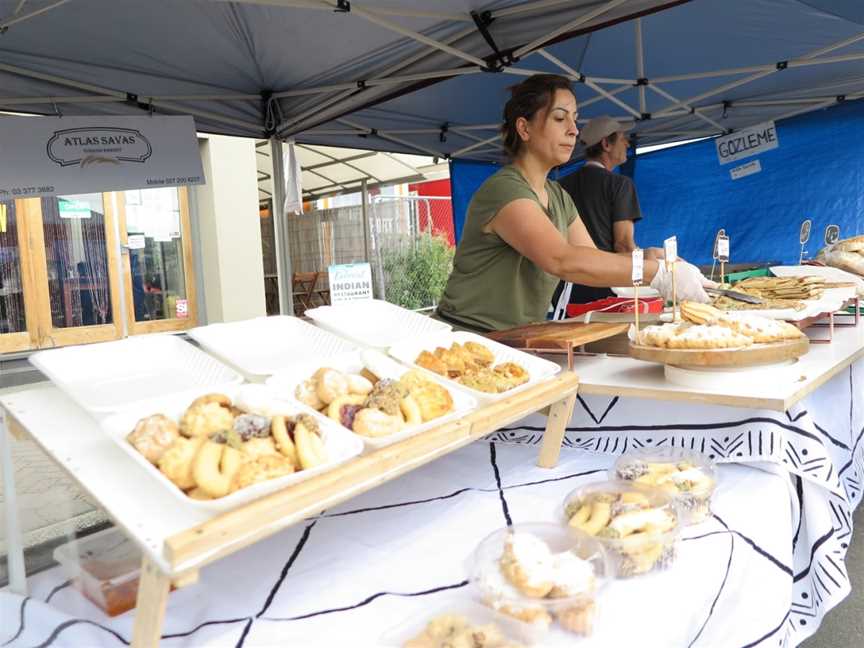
759 572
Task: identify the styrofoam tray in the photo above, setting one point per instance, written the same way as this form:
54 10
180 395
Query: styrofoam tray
262 346
284 383
374 323
341 445
111 376
538 368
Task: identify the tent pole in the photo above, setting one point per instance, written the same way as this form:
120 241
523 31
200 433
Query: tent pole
475 146
364 203
18 19
386 136
355 85
384 11
281 235
14 69
640 65
696 112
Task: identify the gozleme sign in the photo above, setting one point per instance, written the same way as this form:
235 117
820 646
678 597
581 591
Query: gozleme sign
746 142
45 156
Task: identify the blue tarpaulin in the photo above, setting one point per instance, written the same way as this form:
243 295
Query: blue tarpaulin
817 172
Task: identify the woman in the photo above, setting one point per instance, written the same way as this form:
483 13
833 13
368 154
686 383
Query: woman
522 232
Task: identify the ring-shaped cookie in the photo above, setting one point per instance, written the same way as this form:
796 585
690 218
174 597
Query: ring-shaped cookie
214 468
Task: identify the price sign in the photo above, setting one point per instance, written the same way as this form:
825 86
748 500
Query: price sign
721 232
181 308
136 242
723 248
638 268
804 234
350 282
670 249
832 234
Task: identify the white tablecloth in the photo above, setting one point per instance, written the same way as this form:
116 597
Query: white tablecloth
761 572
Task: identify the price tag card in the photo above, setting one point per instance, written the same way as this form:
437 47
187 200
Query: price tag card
723 248
832 234
136 242
670 249
720 232
638 270
804 234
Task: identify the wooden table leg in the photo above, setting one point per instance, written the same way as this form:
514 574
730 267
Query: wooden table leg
556 426
150 611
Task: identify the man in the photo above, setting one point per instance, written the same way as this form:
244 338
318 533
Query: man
607 201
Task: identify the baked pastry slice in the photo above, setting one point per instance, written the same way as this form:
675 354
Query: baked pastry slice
760 329
708 336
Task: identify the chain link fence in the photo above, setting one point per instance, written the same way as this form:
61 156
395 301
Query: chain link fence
408 241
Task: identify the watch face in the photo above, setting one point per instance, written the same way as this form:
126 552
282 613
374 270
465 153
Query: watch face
832 234
804 236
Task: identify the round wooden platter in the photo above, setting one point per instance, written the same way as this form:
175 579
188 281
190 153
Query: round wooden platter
756 354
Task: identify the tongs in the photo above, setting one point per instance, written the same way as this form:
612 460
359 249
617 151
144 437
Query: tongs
732 294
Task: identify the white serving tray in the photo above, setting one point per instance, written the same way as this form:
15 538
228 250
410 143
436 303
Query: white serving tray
341 445
260 347
284 383
374 323
538 368
111 376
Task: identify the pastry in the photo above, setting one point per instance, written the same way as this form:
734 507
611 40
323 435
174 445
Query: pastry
153 435
307 393
707 336
261 469
432 399
331 384
256 447
250 426
471 365
281 431
481 354
387 396
375 423
206 415
176 462
343 408
198 494
571 576
358 384
686 481
578 619
432 363
527 564
455 631
214 468
760 329
308 443
410 411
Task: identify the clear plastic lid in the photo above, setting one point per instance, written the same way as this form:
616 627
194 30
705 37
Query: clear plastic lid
688 476
106 556
539 571
637 524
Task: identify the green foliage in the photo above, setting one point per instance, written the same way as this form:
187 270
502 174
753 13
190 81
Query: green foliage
415 277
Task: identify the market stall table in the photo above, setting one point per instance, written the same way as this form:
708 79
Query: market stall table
349 576
177 540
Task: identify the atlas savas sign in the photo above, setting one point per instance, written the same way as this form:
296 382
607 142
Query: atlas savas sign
45 156
747 142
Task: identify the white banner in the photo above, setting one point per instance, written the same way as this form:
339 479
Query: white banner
747 142
349 282
47 156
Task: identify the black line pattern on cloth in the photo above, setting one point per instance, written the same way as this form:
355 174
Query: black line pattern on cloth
285 568
368 600
587 409
768 634
503 499
757 548
57 589
799 492
822 540
719 591
24 602
73 622
189 633
836 442
245 634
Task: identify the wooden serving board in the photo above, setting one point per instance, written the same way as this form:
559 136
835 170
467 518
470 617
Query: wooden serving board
757 354
557 335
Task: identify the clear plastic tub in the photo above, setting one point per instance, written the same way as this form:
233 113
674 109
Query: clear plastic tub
576 568
688 476
412 631
637 525
105 567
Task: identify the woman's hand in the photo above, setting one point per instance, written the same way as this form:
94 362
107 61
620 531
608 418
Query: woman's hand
689 282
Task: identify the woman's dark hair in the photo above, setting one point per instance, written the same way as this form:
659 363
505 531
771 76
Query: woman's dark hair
527 98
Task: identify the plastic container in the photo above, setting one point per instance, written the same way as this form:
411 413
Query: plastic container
374 323
638 525
573 612
105 567
538 368
284 384
340 444
261 347
688 476
471 612
111 376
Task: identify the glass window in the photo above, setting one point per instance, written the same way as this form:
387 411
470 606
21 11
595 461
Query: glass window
77 256
154 236
11 293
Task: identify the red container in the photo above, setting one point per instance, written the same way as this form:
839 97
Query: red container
617 305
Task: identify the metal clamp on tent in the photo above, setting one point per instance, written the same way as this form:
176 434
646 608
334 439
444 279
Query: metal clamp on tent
442 137
342 6
501 60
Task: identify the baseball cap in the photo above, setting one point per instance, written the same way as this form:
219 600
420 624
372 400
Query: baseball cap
600 127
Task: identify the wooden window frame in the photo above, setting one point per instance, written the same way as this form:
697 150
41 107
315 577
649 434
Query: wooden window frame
168 325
